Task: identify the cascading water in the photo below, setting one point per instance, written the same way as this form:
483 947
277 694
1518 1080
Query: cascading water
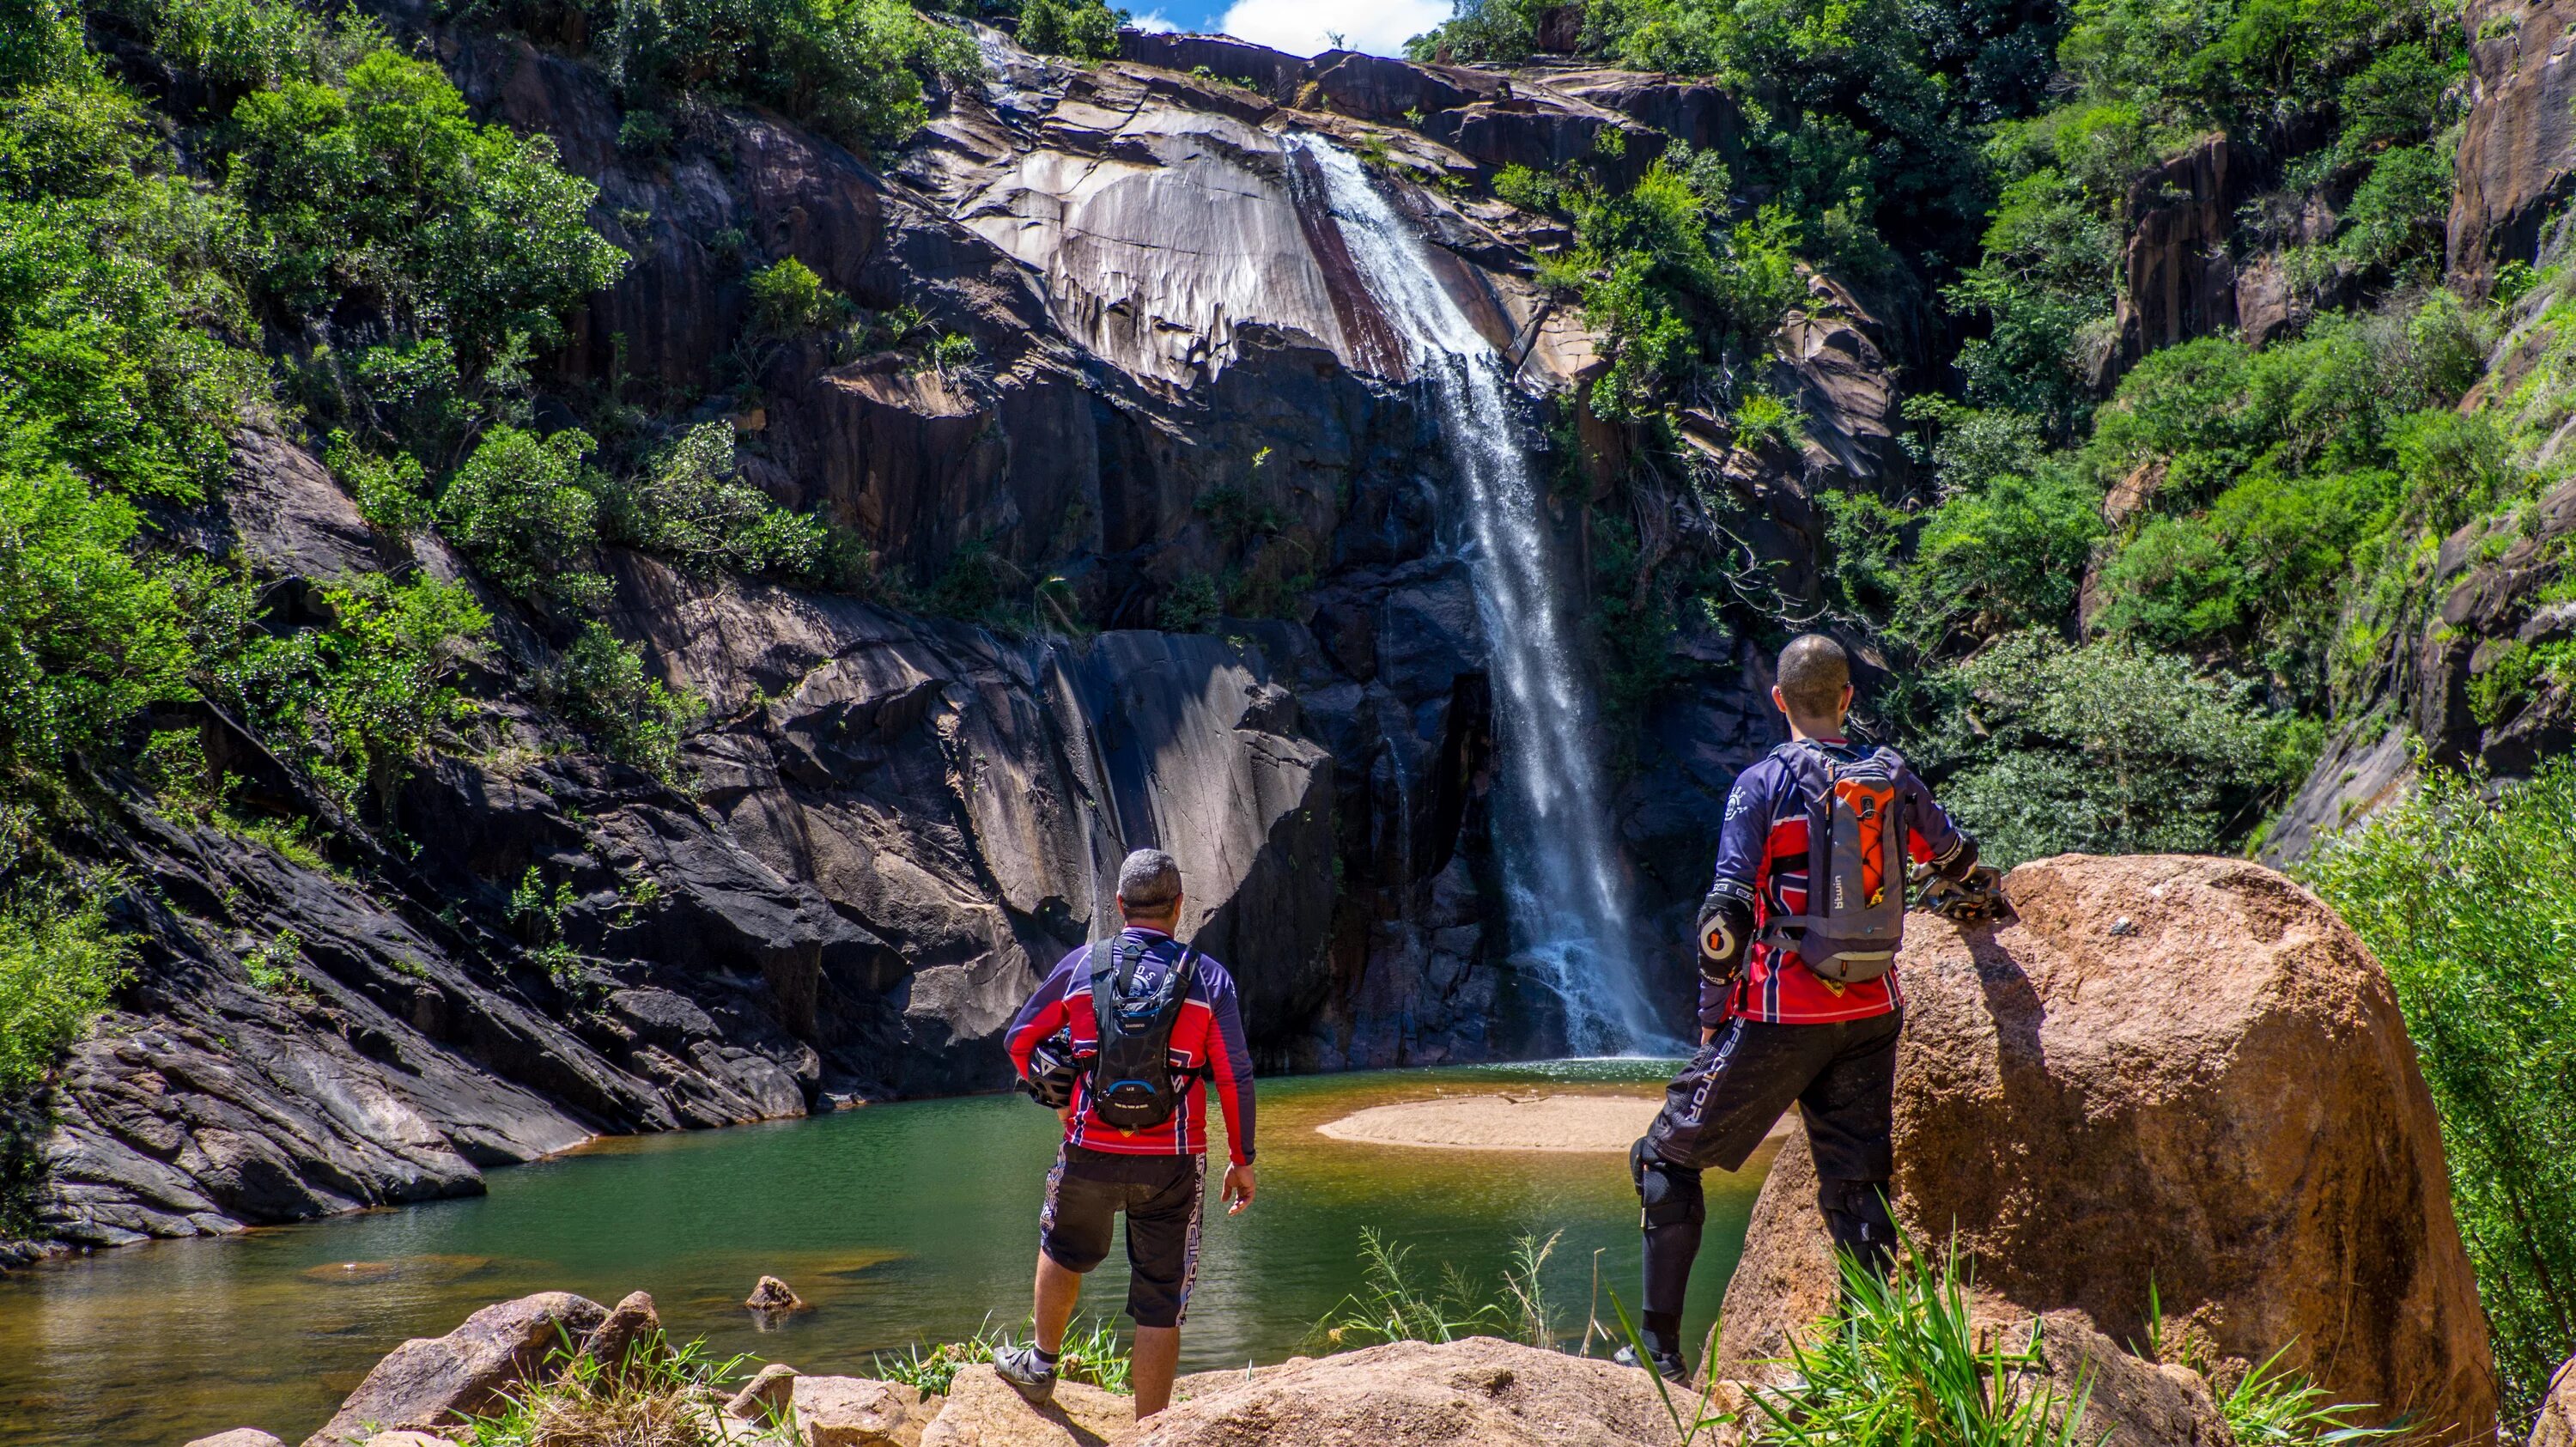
1559 869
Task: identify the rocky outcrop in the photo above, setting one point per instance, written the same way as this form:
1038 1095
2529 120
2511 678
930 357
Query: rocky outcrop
238 1437
2556 1424
860 1412
2173 1070
2517 154
2493 622
2177 281
1478 1392
434 1382
983 1412
2128 1401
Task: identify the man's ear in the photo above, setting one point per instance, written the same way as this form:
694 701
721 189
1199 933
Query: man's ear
1779 700
1850 692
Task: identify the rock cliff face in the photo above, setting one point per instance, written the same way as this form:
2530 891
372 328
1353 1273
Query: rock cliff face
2518 152
886 825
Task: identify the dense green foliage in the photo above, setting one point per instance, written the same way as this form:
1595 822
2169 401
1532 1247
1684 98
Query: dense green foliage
59 964
1083 29
2470 903
853 68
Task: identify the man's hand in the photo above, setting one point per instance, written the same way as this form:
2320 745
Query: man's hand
1237 1190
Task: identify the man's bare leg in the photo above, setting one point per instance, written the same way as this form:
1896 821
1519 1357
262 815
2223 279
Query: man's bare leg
1156 1358
1058 1290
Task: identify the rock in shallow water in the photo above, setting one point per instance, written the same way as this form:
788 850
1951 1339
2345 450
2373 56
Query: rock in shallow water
772 1294
2223 1102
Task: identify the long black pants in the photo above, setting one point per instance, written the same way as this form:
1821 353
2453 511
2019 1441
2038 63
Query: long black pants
1842 1077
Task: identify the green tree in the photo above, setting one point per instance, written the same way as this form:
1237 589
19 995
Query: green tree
2468 898
689 504
88 636
1083 29
523 507
2107 748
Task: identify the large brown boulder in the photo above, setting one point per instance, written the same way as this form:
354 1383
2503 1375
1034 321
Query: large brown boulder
2170 1071
2128 1402
2557 1424
433 1382
1474 1393
859 1412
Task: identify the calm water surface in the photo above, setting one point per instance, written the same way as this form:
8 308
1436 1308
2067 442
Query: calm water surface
899 1223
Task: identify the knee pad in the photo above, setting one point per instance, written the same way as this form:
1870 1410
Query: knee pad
1857 1219
1669 1195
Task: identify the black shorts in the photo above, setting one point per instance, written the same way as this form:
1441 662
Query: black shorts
1160 1194
1842 1076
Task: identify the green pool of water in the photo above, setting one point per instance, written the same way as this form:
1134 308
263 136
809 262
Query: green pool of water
898 1223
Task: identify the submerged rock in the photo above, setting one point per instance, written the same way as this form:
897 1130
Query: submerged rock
433 1382
2220 1103
1479 1392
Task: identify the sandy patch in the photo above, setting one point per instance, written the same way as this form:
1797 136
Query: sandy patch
1605 1123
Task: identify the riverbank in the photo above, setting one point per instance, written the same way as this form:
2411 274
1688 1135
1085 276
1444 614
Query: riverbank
1605 1124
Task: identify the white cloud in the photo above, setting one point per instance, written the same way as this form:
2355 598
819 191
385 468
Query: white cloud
1303 27
1152 22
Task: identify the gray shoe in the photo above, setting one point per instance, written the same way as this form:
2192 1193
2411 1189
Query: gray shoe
1028 1375
1668 1365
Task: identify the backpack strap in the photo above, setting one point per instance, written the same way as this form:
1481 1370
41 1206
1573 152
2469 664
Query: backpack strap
1104 990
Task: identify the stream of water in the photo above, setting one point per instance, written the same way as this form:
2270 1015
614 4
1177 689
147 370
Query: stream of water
899 1223
1566 892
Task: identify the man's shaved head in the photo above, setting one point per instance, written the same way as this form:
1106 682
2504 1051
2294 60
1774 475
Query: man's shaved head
1814 671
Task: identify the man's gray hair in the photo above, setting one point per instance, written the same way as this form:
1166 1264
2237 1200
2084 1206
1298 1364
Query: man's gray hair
1149 881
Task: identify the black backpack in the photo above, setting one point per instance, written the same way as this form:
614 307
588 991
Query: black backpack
1133 1085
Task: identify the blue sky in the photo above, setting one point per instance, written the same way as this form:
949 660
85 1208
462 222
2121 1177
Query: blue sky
1300 27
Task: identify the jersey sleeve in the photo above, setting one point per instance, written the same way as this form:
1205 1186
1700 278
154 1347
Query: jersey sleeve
1230 1061
1932 835
1746 836
1044 1013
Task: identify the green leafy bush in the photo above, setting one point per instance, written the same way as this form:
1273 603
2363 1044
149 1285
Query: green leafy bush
60 964
382 194
689 504
2006 555
599 686
524 508
2468 897
788 299
88 636
2107 748
1083 29
851 67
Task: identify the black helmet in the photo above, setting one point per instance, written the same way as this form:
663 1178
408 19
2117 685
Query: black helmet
1052 1070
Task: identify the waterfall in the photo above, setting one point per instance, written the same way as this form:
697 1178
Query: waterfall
1560 873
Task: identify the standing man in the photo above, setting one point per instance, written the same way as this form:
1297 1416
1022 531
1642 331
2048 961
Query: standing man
1146 1022
1796 999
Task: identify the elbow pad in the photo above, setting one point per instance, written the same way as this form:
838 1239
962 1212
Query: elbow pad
1725 931
1960 862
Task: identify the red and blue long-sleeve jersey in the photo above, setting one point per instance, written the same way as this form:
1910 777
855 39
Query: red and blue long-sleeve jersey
1762 857
1207 1042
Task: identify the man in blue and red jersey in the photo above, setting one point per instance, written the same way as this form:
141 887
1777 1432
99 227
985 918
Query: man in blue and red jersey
1157 1175
1772 1030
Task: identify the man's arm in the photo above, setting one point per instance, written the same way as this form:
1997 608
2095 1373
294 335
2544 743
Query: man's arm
1933 837
1726 916
1042 1015
1230 1062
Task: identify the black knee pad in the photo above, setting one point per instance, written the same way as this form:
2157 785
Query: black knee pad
1857 1219
1670 1195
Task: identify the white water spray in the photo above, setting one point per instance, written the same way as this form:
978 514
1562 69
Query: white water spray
1560 872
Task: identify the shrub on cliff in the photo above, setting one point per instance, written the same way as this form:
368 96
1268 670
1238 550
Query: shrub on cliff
690 504
88 636
1083 29
853 68
525 509
2469 900
59 964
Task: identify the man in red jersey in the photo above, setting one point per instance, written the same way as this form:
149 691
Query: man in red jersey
1773 1029
1156 1174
